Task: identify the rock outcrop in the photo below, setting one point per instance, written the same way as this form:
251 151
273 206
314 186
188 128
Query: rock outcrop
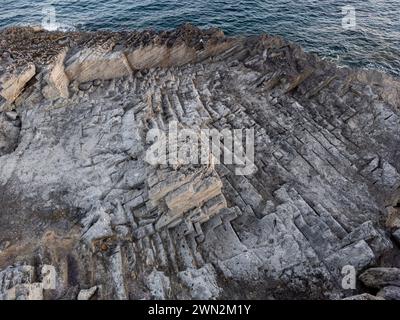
381 277
79 200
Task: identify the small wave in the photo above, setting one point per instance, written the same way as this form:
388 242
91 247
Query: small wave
54 27
316 28
58 27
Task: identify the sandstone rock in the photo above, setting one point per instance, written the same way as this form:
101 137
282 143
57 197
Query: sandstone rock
201 191
13 84
58 78
381 277
77 191
193 195
90 65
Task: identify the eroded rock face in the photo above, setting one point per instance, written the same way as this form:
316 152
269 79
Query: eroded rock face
14 83
77 194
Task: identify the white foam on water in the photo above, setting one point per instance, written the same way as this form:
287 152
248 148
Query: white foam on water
58 27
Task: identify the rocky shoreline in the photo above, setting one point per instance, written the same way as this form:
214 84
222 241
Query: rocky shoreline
83 216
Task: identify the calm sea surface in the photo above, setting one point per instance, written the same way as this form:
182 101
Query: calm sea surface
314 24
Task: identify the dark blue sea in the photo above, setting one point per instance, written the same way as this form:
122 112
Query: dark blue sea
366 34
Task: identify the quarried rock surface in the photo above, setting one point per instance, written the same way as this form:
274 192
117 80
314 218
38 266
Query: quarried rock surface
78 199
